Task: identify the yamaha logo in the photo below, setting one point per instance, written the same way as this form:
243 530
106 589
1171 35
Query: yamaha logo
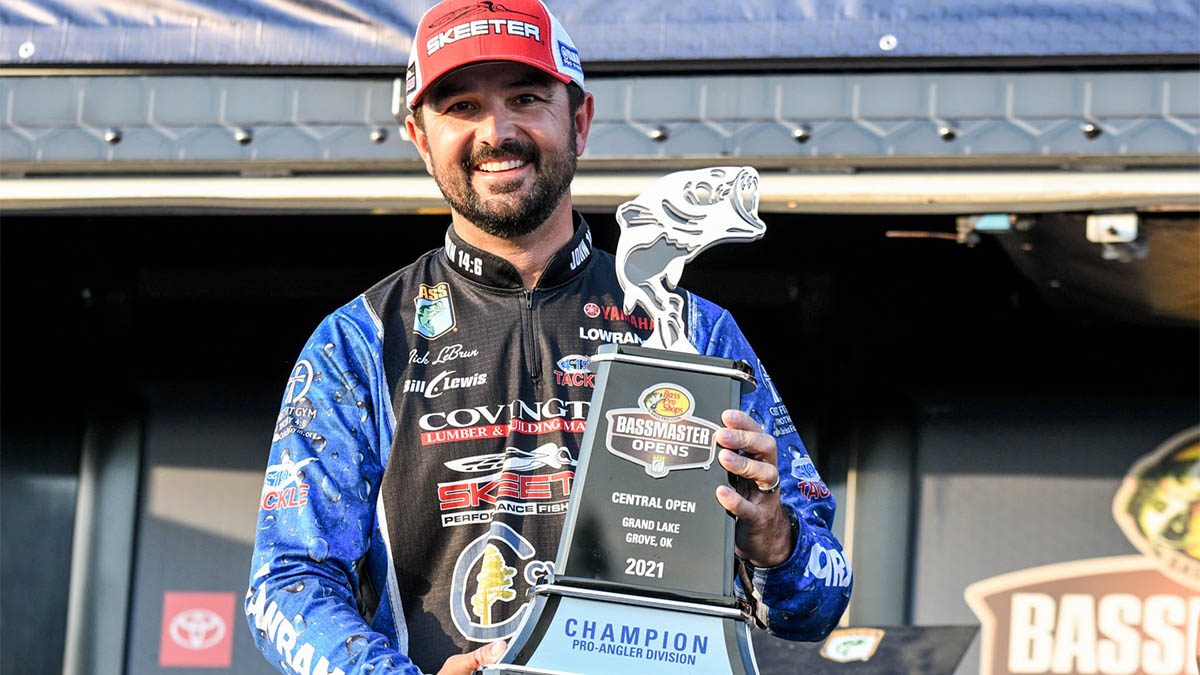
592 310
196 629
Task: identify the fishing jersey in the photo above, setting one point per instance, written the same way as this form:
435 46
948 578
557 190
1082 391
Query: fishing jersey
426 449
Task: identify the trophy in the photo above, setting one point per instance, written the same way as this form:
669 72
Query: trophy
643 581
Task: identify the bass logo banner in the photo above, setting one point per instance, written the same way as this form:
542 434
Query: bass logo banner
1124 614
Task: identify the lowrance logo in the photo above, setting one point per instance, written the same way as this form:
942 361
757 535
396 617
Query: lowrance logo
498 421
602 335
276 630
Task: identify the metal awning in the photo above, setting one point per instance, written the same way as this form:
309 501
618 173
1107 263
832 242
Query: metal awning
927 192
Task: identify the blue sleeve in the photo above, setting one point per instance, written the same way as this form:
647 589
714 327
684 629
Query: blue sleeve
804 597
317 513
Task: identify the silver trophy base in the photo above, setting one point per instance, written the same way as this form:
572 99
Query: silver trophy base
581 631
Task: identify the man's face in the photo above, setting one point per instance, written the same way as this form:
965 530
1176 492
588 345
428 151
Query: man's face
501 142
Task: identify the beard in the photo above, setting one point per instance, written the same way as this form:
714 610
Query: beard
509 218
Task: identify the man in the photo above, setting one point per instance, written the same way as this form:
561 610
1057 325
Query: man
426 447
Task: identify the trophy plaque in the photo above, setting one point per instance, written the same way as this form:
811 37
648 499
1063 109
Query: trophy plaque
643 581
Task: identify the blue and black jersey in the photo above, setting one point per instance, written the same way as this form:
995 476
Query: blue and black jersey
425 453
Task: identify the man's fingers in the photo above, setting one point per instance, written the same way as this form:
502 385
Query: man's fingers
741 432
736 419
736 504
762 473
465 664
489 653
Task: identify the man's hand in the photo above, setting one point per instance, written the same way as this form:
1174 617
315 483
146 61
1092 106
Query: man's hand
763 535
465 664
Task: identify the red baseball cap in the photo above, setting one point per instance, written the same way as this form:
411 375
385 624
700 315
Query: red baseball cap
455 33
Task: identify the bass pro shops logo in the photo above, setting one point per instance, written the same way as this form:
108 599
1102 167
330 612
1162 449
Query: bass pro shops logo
435 311
661 435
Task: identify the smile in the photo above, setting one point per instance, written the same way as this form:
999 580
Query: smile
501 166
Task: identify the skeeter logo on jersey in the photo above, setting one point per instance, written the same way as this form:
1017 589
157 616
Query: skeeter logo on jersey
500 420
572 371
515 459
506 490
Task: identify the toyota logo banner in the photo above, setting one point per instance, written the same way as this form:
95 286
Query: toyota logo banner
197 630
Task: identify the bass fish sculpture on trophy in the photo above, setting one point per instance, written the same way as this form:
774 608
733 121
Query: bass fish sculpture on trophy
645 478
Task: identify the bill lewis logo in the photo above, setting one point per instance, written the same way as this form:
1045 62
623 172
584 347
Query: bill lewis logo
435 311
572 371
196 630
661 435
443 382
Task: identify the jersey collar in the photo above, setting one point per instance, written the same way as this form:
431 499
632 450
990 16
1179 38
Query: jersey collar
492 270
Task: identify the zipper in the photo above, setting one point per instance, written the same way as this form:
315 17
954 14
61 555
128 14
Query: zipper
529 340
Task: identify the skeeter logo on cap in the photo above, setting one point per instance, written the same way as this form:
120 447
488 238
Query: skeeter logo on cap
483 27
